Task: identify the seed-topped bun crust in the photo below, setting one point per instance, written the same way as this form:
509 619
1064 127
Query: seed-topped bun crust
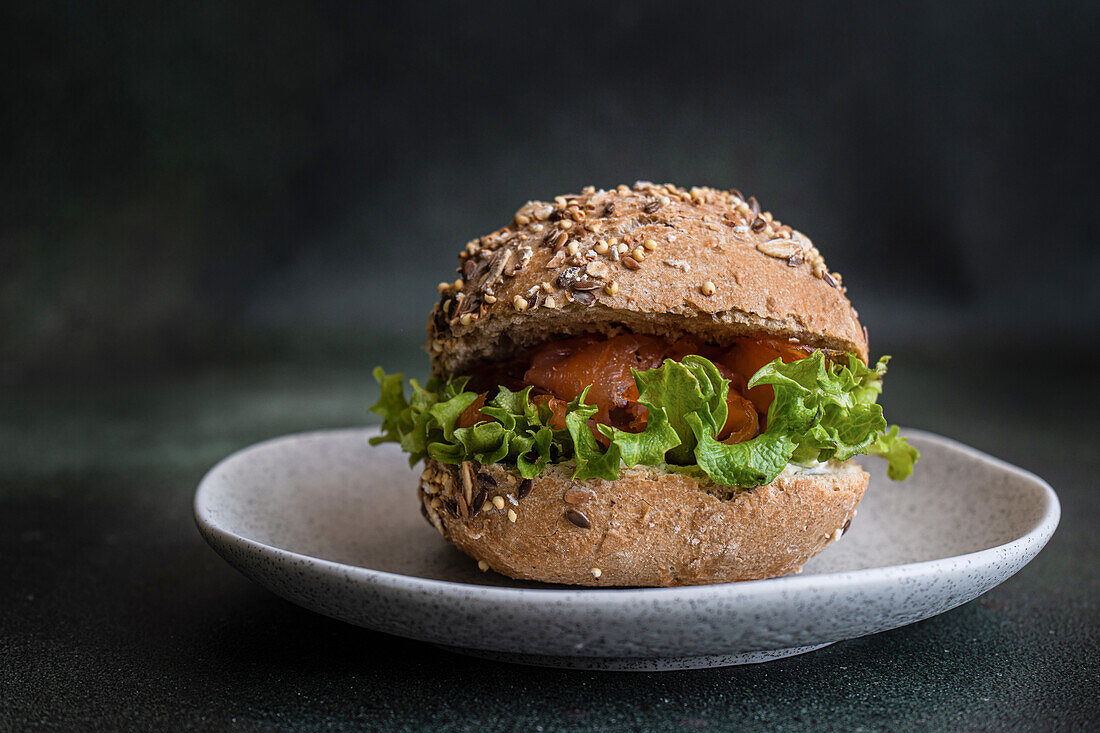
649 259
647 528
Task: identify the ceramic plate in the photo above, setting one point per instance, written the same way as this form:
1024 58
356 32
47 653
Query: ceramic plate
331 523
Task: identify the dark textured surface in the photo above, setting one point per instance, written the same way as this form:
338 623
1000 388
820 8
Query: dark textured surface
177 175
114 614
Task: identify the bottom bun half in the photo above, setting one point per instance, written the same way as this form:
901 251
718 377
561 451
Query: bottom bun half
647 528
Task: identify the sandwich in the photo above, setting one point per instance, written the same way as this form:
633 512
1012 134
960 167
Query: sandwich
644 386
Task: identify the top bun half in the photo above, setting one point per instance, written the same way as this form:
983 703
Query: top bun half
699 262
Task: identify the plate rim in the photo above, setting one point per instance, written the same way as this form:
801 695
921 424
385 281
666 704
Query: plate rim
215 535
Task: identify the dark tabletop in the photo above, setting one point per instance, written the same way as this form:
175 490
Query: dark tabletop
116 615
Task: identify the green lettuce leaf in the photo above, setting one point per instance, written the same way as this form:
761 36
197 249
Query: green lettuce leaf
680 389
829 409
821 411
534 460
513 409
751 463
900 456
392 407
592 460
647 448
447 413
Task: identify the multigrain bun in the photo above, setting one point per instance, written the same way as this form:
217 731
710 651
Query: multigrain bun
703 262
662 261
648 528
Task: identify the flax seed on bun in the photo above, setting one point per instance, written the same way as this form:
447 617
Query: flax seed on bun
650 259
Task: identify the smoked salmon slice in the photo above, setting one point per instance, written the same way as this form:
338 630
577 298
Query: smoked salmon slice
560 370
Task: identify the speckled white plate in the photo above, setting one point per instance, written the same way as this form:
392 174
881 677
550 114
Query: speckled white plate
328 522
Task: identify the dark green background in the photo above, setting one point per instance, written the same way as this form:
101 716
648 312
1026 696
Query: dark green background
216 219
180 183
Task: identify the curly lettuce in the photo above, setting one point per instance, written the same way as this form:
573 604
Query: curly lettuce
821 411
